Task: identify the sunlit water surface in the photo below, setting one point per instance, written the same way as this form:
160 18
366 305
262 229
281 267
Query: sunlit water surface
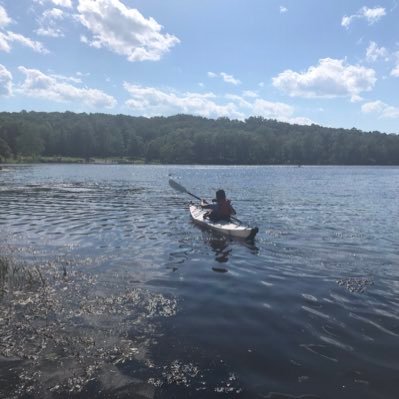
310 308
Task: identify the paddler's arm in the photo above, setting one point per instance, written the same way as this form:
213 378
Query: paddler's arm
205 205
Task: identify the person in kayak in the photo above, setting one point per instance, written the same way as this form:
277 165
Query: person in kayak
221 208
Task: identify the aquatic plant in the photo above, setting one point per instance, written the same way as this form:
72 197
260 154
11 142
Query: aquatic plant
16 275
66 332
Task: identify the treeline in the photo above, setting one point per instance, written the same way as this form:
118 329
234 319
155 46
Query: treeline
189 139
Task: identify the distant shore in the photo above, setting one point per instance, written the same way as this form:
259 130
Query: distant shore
74 160
141 161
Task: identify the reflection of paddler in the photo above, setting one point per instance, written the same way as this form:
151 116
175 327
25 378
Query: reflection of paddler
219 269
220 247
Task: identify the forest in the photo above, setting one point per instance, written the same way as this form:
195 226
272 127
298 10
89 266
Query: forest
187 139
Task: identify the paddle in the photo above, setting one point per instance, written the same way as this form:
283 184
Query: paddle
180 188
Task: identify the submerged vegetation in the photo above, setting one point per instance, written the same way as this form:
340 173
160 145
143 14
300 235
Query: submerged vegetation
187 139
14 276
64 332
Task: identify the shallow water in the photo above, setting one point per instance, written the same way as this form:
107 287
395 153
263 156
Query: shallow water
310 309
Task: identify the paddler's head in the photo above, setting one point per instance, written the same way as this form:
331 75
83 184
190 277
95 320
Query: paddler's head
220 195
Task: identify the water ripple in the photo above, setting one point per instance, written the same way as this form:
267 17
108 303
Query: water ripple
287 315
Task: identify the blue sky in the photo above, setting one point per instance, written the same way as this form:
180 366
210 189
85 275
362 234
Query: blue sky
333 63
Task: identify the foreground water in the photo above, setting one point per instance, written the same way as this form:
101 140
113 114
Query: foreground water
309 310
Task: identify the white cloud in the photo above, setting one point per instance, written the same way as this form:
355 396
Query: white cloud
279 111
375 106
382 109
271 109
4 18
241 101
50 87
9 37
226 77
395 70
66 78
59 3
63 3
49 23
54 13
346 21
84 39
330 78
5 81
82 74
373 52
249 93
4 45
123 30
152 101
283 9
371 15
229 79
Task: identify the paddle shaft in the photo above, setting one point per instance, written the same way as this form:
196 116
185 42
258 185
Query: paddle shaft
198 198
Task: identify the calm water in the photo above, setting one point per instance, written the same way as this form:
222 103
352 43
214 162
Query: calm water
312 308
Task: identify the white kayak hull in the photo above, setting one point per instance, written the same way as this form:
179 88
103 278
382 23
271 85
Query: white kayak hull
230 229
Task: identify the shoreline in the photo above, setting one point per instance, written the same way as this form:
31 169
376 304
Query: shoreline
124 161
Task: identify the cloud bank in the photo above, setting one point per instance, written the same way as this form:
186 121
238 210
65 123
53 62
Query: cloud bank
152 101
53 88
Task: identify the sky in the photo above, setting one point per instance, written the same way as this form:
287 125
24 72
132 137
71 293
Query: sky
333 63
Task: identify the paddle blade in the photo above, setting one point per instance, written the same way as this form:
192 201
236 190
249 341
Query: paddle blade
177 186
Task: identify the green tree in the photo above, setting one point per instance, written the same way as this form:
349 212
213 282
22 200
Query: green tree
30 143
5 150
135 146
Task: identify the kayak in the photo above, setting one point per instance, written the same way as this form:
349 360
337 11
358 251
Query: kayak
231 228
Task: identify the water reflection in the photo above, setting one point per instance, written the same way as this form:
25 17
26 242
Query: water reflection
224 247
220 245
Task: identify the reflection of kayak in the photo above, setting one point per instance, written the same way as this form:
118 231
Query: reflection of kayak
231 228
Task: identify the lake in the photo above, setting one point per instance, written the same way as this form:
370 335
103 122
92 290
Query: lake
309 310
